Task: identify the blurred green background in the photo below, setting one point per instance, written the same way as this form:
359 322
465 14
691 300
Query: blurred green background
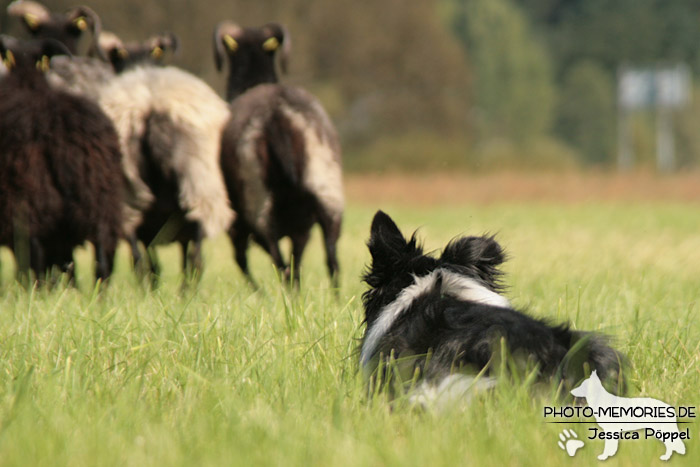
446 84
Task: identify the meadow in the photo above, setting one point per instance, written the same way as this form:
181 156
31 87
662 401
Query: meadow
222 374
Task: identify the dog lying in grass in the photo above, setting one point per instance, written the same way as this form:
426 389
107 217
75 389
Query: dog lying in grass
436 326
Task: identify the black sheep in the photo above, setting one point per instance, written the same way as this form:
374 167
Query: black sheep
60 167
169 123
68 28
280 153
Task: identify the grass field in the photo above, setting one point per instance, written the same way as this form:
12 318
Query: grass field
224 375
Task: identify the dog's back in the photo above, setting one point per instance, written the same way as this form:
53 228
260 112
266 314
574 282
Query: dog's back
433 317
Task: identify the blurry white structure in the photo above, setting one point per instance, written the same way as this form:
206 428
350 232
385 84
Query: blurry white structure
664 89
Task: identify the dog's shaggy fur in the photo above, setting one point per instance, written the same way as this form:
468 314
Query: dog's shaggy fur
441 317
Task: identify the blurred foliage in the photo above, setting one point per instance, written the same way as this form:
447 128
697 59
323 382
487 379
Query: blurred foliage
414 151
586 111
589 40
513 88
687 132
612 32
448 84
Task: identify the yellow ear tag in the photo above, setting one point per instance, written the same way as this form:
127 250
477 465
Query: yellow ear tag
9 60
157 52
43 64
230 43
271 44
32 21
123 53
80 23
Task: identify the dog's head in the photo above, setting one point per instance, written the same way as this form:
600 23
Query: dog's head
396 261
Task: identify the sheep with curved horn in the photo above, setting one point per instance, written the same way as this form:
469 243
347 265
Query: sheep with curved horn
87 75
280 153
66 27
169 124
260 69
124 55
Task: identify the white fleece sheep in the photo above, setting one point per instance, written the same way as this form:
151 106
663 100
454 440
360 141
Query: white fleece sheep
197 115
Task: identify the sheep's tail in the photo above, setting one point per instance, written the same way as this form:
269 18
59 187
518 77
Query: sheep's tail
308 151
203 194
190 154
285 147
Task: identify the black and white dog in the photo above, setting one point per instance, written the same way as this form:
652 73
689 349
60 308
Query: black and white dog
434 323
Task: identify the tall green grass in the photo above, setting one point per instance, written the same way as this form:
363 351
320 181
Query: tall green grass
224 375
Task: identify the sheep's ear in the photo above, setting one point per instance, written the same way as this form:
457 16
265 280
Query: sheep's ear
279 40
83 18
32 14
162 42
386 240
6 44
6 55
225 34
484 253
106 45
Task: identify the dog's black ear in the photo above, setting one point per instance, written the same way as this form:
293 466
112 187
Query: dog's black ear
384 233
391 252
482 253
385 237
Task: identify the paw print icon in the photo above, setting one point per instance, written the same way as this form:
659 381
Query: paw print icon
569 442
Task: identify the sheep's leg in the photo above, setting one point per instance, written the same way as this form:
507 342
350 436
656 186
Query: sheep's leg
137 257
155 266
272 248
276 255
188 272
331 232
101 260
299 242
105 250
37 260
240 237
192 256
65 263
105 261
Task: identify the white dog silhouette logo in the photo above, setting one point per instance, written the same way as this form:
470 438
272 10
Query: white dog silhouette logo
617 415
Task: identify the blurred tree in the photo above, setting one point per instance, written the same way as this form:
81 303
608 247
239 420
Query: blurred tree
605 34
617 31
393 63
513 89
586 112
687 123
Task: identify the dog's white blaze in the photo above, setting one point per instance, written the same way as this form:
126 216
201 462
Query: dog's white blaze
460 287
449 391
470 290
